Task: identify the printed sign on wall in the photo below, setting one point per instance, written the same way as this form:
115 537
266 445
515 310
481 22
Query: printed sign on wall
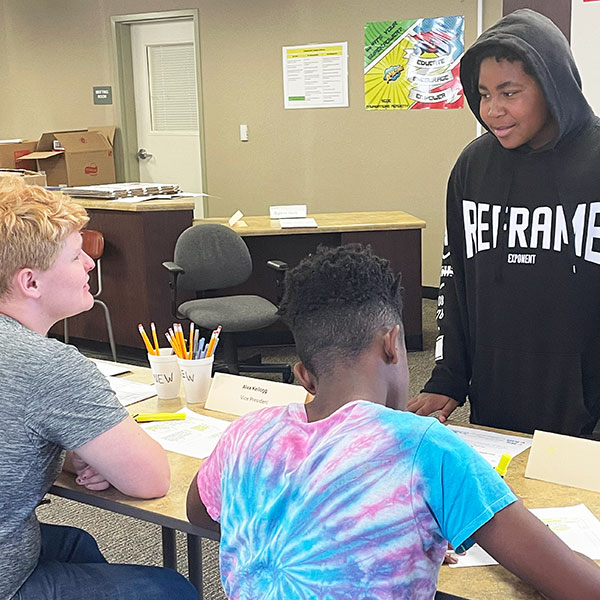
413 64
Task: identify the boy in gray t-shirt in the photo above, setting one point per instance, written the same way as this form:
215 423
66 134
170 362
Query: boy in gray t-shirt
53 400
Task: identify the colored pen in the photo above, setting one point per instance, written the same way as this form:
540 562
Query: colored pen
147 417
201 344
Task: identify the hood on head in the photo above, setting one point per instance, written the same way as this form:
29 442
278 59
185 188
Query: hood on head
543 46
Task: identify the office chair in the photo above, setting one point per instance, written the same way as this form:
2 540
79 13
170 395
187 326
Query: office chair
211 257
93 246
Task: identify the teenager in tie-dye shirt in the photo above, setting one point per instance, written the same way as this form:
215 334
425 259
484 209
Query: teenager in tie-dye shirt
344 498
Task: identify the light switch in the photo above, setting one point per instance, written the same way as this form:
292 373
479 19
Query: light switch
243 133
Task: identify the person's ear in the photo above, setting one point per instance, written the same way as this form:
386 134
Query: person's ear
390 345
25 282
306 378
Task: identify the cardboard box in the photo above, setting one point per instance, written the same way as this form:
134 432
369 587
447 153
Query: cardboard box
11 150
86 158
30 177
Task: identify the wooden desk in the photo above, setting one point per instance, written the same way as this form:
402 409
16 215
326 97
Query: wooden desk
394 235
495 582
138 238
169 511
476 583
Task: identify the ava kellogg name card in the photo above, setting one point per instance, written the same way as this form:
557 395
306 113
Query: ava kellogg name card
240 395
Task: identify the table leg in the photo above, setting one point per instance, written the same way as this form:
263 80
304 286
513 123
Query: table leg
194 543
169 546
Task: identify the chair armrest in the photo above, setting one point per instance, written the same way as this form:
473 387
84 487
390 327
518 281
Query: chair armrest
278 265
280 268
174 272
173 268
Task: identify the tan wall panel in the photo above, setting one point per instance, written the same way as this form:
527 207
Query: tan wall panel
331 159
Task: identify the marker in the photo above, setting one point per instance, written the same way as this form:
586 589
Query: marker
147 417
502 466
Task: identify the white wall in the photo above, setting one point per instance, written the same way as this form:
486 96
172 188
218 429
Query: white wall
585 28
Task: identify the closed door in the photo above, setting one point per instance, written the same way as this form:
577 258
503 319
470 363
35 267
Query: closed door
166 103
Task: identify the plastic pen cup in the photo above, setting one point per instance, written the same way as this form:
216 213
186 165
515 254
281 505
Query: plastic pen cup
196 376
166 374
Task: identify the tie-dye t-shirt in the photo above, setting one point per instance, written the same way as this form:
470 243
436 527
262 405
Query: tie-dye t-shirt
356 506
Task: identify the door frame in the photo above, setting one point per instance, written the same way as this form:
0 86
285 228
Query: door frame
126 164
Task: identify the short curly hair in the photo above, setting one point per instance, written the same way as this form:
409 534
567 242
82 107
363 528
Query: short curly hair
34 223
335 301
501 52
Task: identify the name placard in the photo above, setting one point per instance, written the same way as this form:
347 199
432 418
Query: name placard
287 211
240 395
237 215
565 460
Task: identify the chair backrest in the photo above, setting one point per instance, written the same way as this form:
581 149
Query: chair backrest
213 257
93 243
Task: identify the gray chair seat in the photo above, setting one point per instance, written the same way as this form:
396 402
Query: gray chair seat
234 313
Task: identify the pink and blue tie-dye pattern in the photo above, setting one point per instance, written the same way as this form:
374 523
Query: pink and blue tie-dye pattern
343 508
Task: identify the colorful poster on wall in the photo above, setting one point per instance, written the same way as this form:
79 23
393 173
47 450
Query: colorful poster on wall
414 63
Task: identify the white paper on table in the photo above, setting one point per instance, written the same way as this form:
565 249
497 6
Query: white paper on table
491 445
195 436
128 392
235 217
300 222
576 526
475 556
108 368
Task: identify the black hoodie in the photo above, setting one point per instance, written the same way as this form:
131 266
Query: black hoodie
519 300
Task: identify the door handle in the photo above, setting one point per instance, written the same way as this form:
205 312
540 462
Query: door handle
142 154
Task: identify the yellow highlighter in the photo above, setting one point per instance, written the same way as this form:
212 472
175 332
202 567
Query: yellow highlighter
147 417
502 466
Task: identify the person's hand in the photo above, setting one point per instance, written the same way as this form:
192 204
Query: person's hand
424 404
451 558
86 475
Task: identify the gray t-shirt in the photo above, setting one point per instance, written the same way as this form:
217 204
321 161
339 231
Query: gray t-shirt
53 399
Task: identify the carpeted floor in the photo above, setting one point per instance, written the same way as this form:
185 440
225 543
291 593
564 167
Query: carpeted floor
127 540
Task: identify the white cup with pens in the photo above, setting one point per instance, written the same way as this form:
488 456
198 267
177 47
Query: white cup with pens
166 373
195 361
164 365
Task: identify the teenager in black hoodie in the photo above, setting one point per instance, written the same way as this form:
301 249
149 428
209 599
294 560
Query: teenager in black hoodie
519 299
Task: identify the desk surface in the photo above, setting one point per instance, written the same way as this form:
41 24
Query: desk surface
145 206
475 583
168 511
327 223
495 582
